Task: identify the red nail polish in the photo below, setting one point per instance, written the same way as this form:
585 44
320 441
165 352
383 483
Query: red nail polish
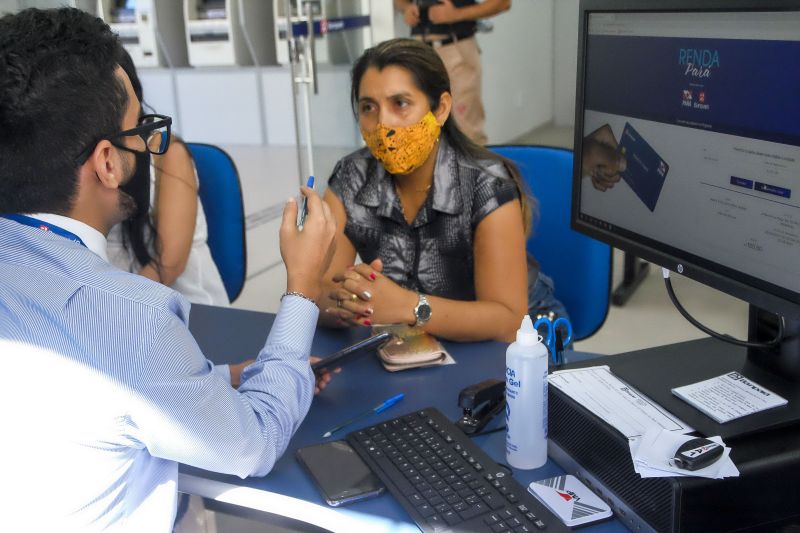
372 276
367 323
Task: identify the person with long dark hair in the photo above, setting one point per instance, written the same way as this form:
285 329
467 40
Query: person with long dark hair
439 222
166 239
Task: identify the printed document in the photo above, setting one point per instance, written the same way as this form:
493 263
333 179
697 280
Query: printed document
728 397
615 402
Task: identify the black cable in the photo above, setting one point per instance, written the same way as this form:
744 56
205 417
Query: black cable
723 337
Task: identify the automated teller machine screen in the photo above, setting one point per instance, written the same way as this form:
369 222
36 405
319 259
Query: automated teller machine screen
211 9
123 11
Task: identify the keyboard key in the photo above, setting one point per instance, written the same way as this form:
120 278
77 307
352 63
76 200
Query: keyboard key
539 524
453 499
493 501
500 527
513 522
472 500
465 492
426 510
436 522
532 517
491 519
460 506
416 499
435 500
452 518
522 508
473 511
511 497
523 529
442 507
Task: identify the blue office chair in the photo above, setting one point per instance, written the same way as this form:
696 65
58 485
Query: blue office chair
221 197
580 266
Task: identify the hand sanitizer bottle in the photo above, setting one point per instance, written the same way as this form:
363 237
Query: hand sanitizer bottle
526 399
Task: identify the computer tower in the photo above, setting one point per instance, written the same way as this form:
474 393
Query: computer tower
766 491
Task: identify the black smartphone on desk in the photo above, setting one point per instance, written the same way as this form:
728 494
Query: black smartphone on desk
339 473
361 347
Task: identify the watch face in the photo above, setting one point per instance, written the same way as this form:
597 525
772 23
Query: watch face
423 312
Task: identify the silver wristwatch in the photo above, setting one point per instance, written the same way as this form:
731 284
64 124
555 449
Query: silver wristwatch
422 311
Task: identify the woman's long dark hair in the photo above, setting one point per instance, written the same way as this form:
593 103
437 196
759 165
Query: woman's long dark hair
430 76
138 232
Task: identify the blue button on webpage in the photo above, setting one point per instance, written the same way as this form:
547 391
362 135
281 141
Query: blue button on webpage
741 182
773 189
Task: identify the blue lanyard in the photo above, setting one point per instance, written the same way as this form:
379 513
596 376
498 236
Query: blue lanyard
44 226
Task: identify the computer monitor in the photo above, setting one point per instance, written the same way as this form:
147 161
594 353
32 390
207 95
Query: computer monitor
701 99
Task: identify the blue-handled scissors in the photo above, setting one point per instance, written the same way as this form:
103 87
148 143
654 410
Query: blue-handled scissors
550 336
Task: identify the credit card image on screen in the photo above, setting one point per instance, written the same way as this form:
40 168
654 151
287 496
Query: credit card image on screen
646 171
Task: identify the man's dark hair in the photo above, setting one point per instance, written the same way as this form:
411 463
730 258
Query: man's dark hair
58 96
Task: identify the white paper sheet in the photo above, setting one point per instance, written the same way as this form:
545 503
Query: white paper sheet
615 402
652 452
728 397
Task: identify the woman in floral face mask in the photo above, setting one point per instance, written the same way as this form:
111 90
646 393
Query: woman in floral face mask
439 221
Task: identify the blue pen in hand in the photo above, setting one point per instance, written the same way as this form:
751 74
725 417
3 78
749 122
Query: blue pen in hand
375 410
301 214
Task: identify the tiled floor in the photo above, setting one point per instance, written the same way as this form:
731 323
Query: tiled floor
269 176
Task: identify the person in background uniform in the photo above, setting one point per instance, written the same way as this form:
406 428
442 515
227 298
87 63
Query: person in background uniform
449 26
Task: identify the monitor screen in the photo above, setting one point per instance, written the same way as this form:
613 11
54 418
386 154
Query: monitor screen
688 141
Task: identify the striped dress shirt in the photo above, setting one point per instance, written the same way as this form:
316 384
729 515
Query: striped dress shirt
104 391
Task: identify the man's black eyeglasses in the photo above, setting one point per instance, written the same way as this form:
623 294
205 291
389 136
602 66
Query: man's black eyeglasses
153 129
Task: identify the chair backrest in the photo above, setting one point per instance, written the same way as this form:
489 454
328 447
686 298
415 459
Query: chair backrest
580 266
221 196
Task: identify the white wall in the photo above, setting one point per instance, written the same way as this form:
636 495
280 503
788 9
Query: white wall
565 38
518 70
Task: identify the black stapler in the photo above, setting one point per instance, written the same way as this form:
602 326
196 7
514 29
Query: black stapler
481 402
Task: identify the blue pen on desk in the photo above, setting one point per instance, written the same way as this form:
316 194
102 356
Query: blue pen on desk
301 214
375 410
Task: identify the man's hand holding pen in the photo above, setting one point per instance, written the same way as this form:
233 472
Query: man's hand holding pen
307 253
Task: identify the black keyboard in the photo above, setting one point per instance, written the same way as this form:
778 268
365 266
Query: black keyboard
444 481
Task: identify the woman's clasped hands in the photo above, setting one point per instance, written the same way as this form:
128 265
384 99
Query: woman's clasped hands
364 296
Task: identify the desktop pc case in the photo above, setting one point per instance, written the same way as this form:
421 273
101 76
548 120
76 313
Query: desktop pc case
764 495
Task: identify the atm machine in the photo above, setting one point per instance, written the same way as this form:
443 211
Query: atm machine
229 32
152 31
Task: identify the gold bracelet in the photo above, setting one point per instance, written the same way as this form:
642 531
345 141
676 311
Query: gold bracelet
298 294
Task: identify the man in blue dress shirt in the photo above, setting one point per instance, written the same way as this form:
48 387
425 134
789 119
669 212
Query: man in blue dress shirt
103 389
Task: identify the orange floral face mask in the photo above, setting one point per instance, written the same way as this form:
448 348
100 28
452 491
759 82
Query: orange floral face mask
403 149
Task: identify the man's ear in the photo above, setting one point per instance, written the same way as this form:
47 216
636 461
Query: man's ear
443 111
105 163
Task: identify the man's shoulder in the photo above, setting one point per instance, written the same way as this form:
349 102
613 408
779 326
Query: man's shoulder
58 269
